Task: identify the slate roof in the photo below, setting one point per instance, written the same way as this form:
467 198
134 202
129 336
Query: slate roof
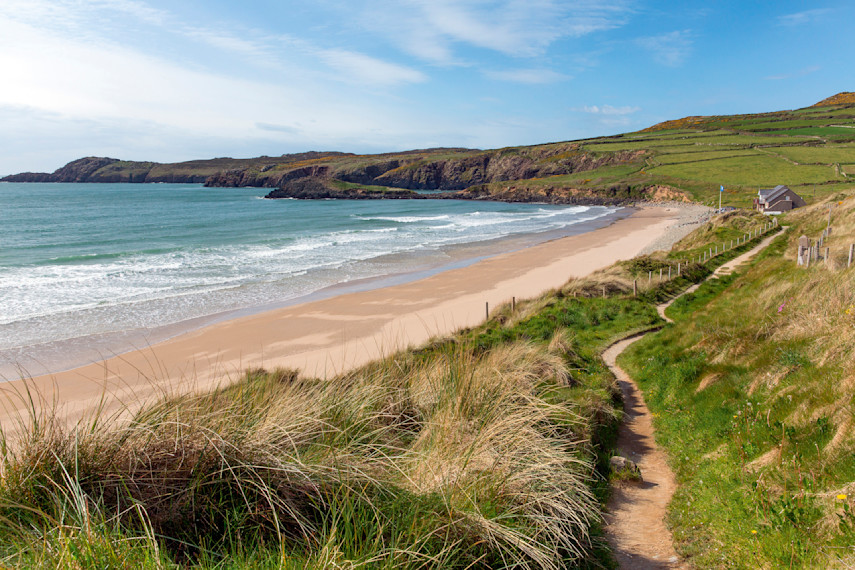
768 195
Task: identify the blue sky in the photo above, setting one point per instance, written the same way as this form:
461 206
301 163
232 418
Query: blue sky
183 79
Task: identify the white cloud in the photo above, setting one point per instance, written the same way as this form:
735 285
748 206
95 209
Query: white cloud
671 49
431 29
528 76
801 18
76 90
609 110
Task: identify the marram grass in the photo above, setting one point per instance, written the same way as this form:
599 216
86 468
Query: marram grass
447 457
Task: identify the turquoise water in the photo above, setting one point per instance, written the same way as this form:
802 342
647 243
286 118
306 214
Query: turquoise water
81 264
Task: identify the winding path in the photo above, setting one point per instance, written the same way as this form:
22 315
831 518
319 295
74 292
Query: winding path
635 518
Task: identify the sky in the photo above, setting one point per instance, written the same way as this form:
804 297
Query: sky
176 80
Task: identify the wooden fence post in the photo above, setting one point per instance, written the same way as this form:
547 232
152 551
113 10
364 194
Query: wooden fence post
513 304
669 272
678 269
851 254
635 287
826 257
660 275
649 276
488 310
604 291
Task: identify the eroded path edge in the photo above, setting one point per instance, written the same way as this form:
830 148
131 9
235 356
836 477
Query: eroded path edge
635 514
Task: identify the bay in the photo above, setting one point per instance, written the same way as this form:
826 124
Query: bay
109 267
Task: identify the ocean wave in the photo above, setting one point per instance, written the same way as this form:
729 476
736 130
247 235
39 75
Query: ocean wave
176 263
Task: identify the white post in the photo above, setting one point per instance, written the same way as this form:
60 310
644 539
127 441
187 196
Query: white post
829 219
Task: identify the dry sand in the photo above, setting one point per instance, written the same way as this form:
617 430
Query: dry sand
328 336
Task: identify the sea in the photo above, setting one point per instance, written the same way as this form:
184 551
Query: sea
88 271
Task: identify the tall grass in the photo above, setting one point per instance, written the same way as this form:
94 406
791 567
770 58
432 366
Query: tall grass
448 456
753 390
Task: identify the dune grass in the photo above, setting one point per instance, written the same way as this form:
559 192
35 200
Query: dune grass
478 449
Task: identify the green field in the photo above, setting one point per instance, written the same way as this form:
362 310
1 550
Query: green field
831 131
748 171
842 154
702 155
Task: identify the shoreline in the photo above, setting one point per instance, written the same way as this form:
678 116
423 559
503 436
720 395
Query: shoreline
328 336
61 355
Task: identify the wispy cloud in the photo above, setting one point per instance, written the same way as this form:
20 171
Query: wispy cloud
364 68
802 18
609 110
528 76
671 49
433 29
54 72
795 74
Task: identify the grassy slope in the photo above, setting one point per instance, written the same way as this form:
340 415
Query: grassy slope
811 150
753 392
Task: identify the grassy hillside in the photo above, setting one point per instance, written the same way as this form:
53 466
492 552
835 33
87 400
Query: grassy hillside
753 389
811 150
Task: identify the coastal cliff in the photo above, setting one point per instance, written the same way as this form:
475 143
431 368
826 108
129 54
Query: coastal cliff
112 170
325 188
439 169
317 188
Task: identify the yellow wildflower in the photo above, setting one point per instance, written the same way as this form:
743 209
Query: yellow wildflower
841 497
753 532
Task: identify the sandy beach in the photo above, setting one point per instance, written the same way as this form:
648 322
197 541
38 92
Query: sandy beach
328 336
